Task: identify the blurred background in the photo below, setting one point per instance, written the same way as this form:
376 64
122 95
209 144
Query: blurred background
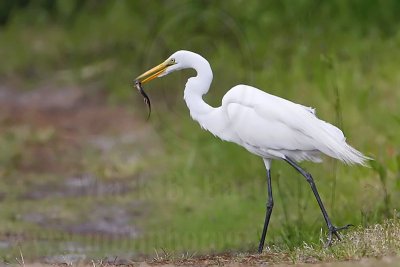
84 175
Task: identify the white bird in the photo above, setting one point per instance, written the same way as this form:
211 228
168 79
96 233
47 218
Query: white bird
266 125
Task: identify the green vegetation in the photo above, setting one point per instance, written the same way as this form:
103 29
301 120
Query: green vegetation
203 195
372 242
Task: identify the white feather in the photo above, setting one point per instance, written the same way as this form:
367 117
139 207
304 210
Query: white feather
266 125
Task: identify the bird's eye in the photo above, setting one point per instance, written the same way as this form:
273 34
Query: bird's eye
173 60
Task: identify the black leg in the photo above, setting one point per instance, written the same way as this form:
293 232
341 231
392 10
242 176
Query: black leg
270 205
331 228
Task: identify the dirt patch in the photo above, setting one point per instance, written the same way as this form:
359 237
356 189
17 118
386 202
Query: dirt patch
81 185
70 145
111 220
267 259
388 261
71 118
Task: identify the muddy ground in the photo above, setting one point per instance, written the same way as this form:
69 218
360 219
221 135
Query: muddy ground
69 144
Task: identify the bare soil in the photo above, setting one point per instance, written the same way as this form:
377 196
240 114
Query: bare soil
249 260
77 120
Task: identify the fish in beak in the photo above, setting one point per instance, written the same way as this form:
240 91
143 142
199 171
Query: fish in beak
149 75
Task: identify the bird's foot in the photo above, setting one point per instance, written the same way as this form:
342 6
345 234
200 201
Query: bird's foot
333 230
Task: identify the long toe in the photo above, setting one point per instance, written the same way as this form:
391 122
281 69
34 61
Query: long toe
333 230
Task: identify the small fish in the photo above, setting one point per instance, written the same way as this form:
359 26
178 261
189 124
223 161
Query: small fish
146 99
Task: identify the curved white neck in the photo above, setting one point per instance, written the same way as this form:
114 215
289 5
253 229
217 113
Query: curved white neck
209 118
197 86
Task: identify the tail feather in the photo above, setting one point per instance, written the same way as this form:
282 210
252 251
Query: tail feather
335 146
346 153
350 155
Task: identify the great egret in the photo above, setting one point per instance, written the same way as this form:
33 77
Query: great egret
266 125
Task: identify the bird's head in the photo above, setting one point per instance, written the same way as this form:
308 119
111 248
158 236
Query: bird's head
175 62
178 60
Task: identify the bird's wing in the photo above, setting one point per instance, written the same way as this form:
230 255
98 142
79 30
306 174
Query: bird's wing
273 123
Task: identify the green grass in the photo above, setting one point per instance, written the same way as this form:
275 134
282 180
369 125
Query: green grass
205 195
369 244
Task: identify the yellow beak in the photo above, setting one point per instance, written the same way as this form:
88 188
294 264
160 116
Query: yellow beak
152 73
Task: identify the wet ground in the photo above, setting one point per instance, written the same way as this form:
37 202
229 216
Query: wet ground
70 164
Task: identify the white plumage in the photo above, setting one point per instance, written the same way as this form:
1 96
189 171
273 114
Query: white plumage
266 125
